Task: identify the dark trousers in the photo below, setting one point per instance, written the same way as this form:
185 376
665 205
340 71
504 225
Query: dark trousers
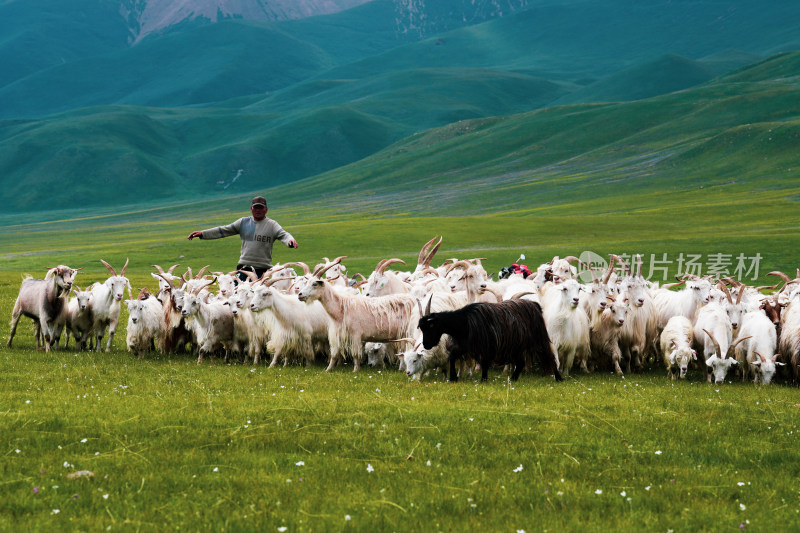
258 271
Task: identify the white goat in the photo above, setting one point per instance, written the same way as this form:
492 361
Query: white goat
383 283
44 301
176 332
379 354
605 334
213 323
356 318
685 302
640 333
107 298
676 346
757 354
165 279
145 325
789 344
296 329
567 324
417 361
80 317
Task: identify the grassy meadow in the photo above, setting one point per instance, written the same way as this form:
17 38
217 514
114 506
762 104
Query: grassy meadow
173 444
710 172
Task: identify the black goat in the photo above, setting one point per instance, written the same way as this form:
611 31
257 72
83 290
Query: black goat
504 332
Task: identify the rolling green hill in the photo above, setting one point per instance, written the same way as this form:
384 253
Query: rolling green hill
575 41
508 163
665 74
726 143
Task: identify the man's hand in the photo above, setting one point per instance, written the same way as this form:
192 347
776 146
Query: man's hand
293 244
194 234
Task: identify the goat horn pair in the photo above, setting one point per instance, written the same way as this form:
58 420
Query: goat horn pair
432 252
458 264
610 269
384 263
271 281
319 271
114 272
161 270
621 262
423 253
302 265
202 271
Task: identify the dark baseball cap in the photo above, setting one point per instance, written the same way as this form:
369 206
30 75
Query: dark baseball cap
259 200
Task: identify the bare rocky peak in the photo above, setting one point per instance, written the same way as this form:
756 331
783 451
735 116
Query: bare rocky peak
147 16
423 18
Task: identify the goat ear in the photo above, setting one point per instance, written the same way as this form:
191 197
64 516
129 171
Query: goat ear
710 360
694 355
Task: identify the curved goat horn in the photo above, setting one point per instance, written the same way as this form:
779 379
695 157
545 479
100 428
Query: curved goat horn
302 265
621 262
381 268
458 264
671 285
431 253
724 288
716 344
781 275
609 271
202 271
125 267
424 251
110 268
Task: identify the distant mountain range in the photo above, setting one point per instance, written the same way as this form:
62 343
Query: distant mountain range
174 99
145 17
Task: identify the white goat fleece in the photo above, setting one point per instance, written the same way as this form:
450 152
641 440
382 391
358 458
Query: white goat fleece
145 325
676 346
566 322
296 329
80 317
757 355
356 319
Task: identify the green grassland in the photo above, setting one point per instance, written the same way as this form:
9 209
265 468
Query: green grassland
173 444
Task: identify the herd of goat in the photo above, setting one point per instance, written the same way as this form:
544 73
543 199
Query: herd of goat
453 317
